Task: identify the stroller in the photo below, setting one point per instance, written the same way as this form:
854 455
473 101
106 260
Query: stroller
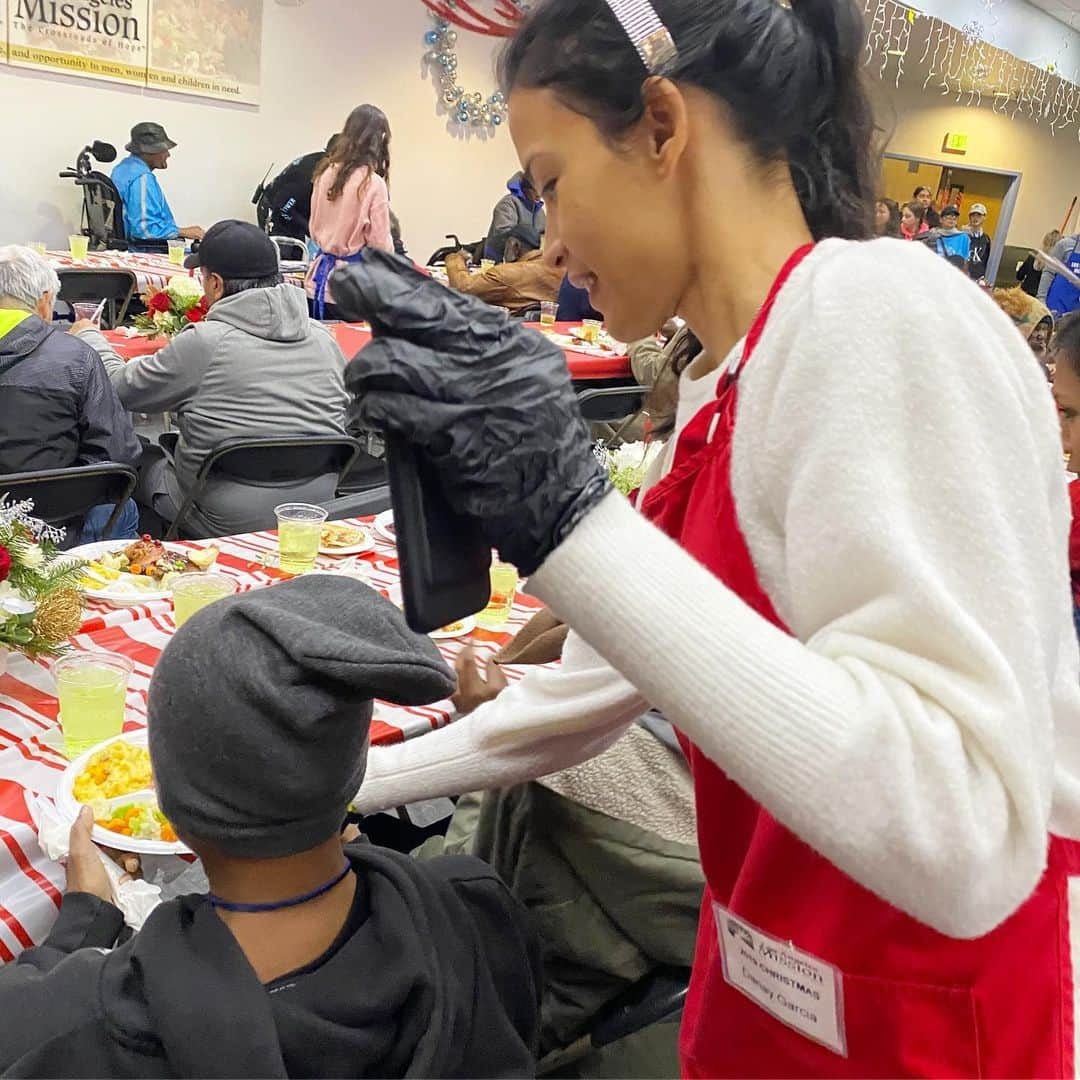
103 209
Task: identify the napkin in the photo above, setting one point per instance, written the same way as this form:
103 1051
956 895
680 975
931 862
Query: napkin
135 898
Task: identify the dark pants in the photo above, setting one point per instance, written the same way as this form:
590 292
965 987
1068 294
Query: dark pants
126 526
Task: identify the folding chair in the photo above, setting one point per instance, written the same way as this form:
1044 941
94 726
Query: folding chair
620 405
115 287
286 244
269 462
360 504
62 497
657 999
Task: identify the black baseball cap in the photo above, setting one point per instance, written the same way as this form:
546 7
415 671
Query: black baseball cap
236 249
950 211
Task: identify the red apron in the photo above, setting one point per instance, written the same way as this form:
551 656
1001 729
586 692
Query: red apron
903 999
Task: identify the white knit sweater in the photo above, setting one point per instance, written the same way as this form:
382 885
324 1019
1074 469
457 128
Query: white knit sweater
899 483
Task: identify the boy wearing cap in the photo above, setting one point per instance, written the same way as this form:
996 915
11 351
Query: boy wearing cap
305 959
948 240
256 366
979 259
147 214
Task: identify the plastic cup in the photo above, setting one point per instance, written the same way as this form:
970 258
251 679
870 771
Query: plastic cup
177 250
79 247
192 592
37 246
299 534
504 580
91 688
85 311
590 330
548 312
486 265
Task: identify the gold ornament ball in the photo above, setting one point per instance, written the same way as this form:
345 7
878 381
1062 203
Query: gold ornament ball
59 616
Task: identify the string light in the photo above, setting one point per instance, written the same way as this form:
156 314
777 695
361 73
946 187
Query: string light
963 61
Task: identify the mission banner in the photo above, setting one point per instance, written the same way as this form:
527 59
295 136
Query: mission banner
212 48
103 39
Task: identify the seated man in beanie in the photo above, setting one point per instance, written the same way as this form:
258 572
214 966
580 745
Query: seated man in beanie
521 281
306 959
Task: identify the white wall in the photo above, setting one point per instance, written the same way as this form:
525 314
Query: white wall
319 60
1018 27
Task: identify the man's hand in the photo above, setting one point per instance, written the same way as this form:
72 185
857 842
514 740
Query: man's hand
85 871
457 257
474 689
192 232
83 324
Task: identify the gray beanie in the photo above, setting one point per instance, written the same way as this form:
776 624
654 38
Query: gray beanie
260 707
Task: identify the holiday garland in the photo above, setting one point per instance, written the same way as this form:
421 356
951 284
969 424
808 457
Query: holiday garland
471 109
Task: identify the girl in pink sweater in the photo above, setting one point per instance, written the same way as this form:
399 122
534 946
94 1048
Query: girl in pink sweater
350 202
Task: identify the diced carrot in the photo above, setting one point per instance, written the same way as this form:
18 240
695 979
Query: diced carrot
167 834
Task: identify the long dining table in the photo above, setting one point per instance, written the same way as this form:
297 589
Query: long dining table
587 364
31 757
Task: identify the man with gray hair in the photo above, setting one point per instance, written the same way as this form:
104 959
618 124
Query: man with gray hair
57 406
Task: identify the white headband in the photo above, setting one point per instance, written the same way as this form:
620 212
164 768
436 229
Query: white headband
647 33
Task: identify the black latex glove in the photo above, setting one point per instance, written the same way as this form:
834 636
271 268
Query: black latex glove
488 402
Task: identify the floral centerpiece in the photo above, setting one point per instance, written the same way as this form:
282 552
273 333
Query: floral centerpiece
181 303
40 603
628 464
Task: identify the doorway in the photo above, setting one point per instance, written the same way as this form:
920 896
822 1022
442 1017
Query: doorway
958 185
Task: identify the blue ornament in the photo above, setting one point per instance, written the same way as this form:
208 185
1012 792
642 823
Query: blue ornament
496 119
431 38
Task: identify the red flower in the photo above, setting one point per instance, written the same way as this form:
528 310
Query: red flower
158 302
5 562
196 314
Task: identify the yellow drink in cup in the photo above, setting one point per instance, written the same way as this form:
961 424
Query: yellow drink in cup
38 247
79 246
193 592
486 265
590 330
91 688
548 313
299 534
504 580
177 248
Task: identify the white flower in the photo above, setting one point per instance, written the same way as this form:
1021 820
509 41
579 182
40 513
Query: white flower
184 290
32 557
636 455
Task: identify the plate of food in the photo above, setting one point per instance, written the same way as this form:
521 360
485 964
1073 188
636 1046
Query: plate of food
461 628
340 539
116 781
384 526
124 573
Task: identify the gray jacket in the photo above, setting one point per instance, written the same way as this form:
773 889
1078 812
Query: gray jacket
257 366
1061 251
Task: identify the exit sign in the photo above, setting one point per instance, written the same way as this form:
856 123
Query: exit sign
955 143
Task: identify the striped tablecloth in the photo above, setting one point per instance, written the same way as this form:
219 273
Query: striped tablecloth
149 269
30 757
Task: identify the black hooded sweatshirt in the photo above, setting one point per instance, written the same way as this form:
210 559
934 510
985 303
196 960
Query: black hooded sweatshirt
434 974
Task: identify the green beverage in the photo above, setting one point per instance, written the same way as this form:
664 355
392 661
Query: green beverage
177 249
91 688
193 592
79 247
300 528
504 579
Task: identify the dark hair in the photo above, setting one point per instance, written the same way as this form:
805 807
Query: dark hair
920 189
234 286
916 209
1067 340
892 228
791 81
364 141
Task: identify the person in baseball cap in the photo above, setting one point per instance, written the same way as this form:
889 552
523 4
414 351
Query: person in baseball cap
307 956
981 243
253 364
147 214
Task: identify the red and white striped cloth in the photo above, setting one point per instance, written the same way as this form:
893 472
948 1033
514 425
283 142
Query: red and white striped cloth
150 270
31 761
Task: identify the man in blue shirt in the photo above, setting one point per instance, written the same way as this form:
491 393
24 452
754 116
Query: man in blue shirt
147 215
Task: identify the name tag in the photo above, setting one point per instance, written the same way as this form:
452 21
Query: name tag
798 989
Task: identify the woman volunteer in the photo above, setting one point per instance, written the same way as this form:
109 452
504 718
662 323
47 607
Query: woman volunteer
847 585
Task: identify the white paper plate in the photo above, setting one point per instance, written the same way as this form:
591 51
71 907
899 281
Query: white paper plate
384 526
468 625
69 806
354 549
127 596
